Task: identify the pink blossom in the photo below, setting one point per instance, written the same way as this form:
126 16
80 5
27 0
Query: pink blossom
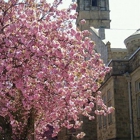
88 108
111 109
91 117
80 135
99 92
91 104
44 75
74 6
83 21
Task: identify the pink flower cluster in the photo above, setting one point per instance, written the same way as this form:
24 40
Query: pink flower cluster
83 21
45 77
80 135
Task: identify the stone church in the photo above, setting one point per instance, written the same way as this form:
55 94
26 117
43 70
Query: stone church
121 88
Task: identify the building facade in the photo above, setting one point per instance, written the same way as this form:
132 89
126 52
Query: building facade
95 12
121 89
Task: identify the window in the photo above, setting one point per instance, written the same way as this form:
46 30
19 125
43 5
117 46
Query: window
94 2
109 115
138 106
100 121
87 4
137 90
104 117
104 121
137 85
103 5
109 97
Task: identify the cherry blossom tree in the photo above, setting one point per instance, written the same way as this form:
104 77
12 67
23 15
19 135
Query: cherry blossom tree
49 71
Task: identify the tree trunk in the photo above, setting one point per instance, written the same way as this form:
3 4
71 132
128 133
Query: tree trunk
6 133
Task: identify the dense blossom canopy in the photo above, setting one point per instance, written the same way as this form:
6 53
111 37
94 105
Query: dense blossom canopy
49 71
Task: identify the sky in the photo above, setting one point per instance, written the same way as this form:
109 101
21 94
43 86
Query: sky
125 20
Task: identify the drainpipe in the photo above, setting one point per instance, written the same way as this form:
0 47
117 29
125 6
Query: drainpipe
128 78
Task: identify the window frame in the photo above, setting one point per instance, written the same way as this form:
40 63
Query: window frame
100 121
109 115
137 91
109 103
103 5
137 86
104 117
138 106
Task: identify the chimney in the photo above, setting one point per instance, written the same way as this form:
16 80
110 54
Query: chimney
101 33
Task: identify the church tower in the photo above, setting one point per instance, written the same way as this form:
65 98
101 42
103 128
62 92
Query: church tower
95 12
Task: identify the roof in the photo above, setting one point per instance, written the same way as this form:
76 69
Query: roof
118 49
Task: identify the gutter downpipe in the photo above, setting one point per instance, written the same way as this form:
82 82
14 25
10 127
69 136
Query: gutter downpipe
128 78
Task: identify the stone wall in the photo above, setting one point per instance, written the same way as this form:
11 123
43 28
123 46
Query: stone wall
130 66
89 127
120 67
93 18
94 15
121 107
65 135
119 128
134 61
100 46
136 121
108 131
118 53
